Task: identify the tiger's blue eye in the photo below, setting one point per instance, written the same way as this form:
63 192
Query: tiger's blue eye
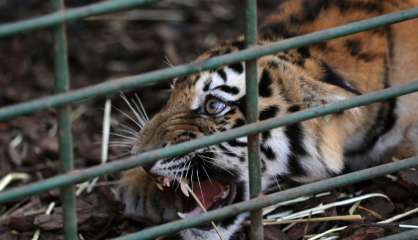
214 106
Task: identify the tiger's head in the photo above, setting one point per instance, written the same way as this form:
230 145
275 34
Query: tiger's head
209 102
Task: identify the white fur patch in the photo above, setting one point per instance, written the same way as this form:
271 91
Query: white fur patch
233 79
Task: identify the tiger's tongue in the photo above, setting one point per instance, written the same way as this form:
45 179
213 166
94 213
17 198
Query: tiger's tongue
209 192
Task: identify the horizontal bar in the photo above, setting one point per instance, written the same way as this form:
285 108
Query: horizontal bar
182 148
406 235
270 199
55 18
128 83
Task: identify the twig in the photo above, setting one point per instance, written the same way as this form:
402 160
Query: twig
6 180
203 208
48 211
322 207
373 213
348 218
89 185
397 217
332 230
267 210
408 226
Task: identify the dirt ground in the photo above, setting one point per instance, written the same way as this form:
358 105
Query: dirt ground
104 48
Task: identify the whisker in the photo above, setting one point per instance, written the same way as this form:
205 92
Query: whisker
191 177
143 120
127 127
218 151
120 155
122 136
119 146
125 131
121 141
188 167
211 161
204 169
129 117
134 111
175 176
277 182
141 106
200 186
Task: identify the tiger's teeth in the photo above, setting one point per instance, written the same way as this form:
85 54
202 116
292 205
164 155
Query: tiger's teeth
183 187
159 186
166 182
226 193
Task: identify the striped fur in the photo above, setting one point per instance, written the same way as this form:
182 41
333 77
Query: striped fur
291 81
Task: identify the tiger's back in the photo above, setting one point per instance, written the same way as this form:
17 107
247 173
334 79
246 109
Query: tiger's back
361 63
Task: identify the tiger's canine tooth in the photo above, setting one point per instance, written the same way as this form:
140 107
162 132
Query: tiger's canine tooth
183 187
159 186
166 182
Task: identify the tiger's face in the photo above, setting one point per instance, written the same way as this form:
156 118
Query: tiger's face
213 101
201 105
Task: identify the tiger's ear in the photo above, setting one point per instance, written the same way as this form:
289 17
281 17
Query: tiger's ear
314 93
299 87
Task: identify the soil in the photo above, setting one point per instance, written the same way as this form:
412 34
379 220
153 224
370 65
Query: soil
112 46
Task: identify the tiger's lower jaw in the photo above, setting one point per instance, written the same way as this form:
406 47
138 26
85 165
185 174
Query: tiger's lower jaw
226 228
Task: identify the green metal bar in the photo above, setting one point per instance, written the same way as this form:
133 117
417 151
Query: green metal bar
62 84
182 148
270 199
52 19
133 82
407 235
254 166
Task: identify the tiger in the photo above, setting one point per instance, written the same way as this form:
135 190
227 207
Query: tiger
294 80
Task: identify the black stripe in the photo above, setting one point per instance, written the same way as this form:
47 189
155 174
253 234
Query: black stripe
238 123
263 165
237 67
226 151
293 108
304 52
228 89
354 46
332 77
240 103
207 85
236 143
266 135
294 133
369 7
269 112
390 42
238 44
268 152
221 74
276 30
264 89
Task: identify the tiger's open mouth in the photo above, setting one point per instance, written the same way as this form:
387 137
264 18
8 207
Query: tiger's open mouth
211 194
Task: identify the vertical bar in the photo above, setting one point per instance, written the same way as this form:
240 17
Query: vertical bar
256 227
62 84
